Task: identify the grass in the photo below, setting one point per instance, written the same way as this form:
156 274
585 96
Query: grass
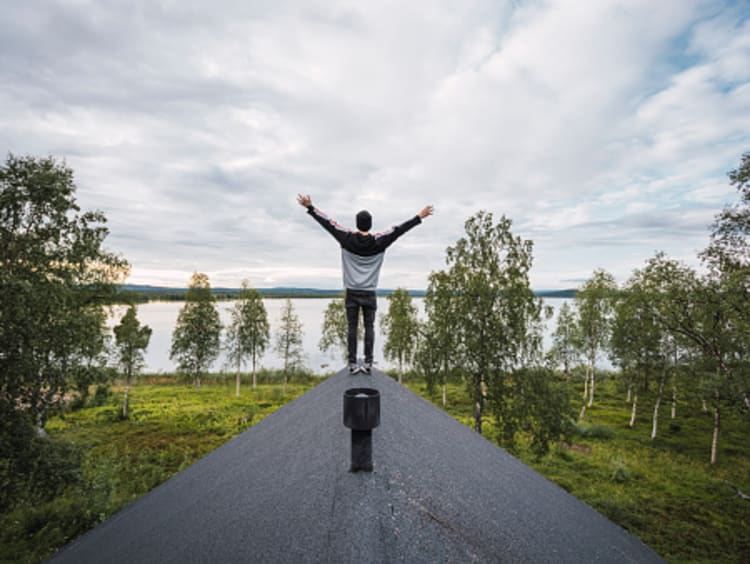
663 491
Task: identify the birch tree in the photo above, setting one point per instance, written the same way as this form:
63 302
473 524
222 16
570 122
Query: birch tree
55 276
565 350
594 302
131 341
729 249
248 332
289 340
497 315
436 349
700 312
635 338
401 329
197 333
728 260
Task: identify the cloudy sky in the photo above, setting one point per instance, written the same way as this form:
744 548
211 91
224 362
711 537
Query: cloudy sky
603 129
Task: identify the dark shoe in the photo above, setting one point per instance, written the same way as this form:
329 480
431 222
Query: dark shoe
353 368
367 368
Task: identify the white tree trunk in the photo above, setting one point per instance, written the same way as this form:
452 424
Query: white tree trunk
717 426
128 377
655 422
630 391
444 393
237 381
40 431
705 407
478 406
42 405
583 412
197 383
634 410
125 402
254 380
674 401
586 385
593 385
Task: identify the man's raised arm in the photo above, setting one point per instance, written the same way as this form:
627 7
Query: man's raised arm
389 237
328 224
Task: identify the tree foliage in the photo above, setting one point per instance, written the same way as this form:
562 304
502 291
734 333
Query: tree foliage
728 259
55 276
131 341
335 328
636 337
594 303
248 333
537 404
637 334
435 355
699 312
196 336
401 329
566 340
289 340
729 249
497 322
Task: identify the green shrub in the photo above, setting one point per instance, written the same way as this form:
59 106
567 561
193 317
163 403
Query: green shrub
593 431
33 469
101 396
33 532
620 472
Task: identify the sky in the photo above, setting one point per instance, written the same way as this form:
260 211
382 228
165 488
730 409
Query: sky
603 129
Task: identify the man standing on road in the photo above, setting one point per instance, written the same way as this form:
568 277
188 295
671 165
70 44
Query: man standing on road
361 258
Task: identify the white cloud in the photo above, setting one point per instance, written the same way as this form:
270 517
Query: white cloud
594 125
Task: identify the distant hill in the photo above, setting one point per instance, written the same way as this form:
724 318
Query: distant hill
146 292
569 293
277 291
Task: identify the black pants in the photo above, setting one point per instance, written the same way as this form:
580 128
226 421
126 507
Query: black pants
367 301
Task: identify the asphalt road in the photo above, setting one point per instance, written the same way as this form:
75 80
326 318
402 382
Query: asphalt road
282 492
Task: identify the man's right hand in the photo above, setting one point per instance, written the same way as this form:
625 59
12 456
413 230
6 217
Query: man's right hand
428 210
304 201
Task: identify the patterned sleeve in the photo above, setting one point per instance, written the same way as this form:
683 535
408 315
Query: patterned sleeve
339 232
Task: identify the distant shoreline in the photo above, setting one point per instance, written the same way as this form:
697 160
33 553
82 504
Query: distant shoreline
145 293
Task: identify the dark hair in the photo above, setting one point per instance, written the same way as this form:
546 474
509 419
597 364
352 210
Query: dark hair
364 220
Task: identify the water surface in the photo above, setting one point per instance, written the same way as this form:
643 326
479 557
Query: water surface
162 316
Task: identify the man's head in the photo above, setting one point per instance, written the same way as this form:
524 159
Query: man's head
364 220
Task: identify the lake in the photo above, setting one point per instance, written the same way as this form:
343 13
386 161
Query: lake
162 316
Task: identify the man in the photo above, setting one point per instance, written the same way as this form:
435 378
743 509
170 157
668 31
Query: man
361 258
